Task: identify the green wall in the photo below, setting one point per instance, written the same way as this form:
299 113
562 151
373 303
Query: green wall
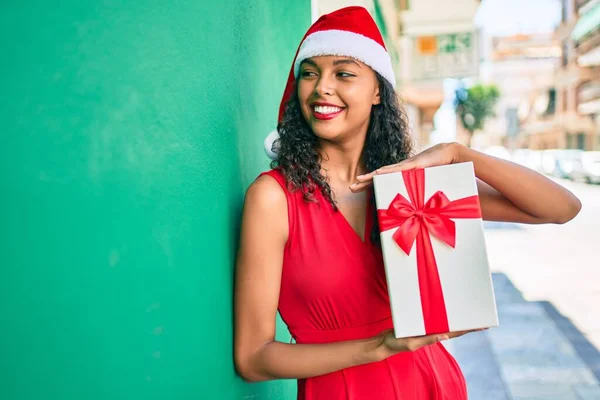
130 131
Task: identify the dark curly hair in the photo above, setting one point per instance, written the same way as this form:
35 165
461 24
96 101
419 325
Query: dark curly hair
387 142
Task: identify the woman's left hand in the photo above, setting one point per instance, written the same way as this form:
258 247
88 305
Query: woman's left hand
440 154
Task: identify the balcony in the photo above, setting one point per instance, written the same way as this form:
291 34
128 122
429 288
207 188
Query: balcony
581 4
588 50
588 23
589 91
573 74
588 97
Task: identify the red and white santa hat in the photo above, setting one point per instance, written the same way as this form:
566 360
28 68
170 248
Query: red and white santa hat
349 32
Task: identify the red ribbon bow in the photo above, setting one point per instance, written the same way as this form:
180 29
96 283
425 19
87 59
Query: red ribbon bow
415 221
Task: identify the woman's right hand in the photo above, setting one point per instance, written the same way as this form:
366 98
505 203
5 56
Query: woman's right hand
388 344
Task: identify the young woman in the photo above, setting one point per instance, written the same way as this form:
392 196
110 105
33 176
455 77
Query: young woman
309 240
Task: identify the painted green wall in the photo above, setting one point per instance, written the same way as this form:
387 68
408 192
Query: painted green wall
130 131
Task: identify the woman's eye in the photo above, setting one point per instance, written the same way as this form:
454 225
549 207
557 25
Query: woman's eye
345 75
308 73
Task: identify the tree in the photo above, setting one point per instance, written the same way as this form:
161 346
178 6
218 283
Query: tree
474 105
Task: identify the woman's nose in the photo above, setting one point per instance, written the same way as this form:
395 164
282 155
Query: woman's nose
324 86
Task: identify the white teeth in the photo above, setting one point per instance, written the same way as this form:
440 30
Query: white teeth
327 109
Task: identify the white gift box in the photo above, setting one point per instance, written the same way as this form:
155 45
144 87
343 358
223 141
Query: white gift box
463 297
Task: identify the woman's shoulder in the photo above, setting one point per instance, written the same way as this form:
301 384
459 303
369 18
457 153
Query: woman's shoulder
267 190
266 200
275 173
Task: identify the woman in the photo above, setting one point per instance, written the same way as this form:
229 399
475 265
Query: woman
309 240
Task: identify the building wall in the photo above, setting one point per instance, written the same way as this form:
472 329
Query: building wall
587 94
570 121
521 66
423 95
430 18
433 17
130 133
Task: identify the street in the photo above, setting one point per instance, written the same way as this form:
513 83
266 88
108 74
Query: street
546 284
556 263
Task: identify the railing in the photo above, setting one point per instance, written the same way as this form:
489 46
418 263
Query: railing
579 4
588 91
589 42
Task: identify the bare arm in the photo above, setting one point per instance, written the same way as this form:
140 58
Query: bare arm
507 191
513 193
257 355
258 278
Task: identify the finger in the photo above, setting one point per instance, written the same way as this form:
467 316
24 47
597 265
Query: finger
360 186
420 341
365 177
461 333
366 180
387 167
401 166
405 161
391 166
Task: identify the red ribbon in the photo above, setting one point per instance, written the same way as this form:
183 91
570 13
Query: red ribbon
416 221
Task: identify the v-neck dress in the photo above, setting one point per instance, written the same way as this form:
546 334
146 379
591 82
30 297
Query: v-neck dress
333 288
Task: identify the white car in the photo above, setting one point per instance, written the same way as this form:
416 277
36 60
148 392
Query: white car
531 159
498 151
561 163
591 166
549 159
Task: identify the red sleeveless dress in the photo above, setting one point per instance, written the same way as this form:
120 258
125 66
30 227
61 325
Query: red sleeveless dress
333 288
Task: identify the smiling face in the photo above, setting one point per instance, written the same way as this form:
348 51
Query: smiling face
336 95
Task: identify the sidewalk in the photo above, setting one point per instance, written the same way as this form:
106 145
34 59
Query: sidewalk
535 354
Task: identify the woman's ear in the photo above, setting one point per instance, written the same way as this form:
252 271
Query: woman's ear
376 98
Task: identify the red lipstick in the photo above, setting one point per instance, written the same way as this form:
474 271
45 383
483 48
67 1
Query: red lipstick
325 116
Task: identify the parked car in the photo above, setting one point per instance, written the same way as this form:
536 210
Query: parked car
562 163
591 166
498 151
531 159
549 161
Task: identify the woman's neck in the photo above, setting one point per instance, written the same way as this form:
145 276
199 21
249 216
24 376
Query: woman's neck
342 163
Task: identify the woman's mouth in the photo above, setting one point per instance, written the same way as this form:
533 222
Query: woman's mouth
326 112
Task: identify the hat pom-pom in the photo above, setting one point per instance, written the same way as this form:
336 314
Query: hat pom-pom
270 149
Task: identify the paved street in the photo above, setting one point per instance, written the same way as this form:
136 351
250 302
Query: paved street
557 263
547 284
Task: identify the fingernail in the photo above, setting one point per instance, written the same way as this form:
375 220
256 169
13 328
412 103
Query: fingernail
354 184
442 337
361 176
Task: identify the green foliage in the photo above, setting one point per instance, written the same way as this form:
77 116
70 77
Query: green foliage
475 104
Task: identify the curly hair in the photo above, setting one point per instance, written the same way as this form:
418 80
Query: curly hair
387 142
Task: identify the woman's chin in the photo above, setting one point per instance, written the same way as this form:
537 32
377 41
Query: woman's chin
326 133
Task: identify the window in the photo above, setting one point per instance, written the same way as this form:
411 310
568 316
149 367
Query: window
581 141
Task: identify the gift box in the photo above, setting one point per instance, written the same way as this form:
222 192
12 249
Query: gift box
434 250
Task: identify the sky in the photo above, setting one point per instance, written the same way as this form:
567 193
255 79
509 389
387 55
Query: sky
509 17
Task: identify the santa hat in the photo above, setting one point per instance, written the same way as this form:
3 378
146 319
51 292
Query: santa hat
349 32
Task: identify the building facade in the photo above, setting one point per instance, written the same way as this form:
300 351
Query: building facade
438 41
577 84
523 69
586 41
